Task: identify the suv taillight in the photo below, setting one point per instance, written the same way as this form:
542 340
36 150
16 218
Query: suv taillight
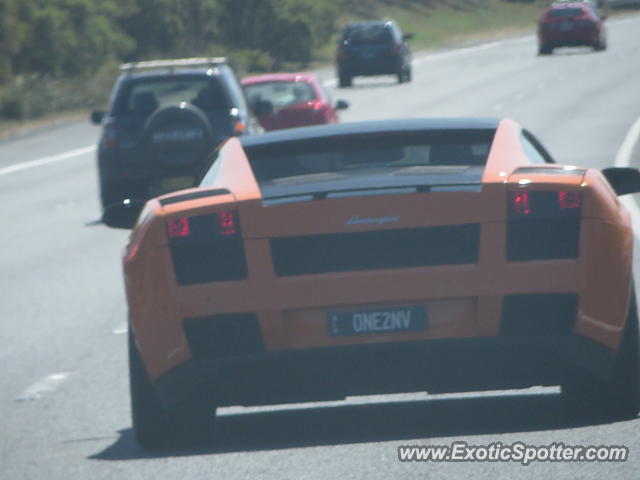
207 248
109 141
542 224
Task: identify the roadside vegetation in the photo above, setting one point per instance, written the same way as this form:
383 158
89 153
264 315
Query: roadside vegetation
61 55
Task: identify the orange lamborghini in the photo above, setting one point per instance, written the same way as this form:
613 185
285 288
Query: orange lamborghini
439 255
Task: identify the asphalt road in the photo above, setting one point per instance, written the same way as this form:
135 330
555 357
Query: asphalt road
63 389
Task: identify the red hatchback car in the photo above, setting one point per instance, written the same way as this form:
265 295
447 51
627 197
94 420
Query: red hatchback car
570 24
286 100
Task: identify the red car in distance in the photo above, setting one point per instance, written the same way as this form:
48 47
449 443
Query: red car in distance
569 24
287 100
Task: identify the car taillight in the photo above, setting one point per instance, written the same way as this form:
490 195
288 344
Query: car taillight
239 127
340 53
131 250
207 248
569 200
520 203
538 204
543 225
204 227
227 224
178 227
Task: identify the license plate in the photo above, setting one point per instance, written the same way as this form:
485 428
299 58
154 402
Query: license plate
171 184
377 320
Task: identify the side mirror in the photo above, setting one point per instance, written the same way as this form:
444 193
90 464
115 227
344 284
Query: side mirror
123 214
342 105
97 116
624 180
262 108
407 36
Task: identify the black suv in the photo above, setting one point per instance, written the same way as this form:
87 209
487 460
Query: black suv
373 48
164 119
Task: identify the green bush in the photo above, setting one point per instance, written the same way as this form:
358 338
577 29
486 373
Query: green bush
63 54
288 30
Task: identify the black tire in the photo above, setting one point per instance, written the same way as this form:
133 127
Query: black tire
404 74
110 196
619 396
154 425
344 81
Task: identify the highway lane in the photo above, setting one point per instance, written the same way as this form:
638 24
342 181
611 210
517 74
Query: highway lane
63 391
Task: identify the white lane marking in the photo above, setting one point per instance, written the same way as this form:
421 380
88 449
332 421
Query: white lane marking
48 384
46 160
624 20
58 207
623 159
456 53
124 328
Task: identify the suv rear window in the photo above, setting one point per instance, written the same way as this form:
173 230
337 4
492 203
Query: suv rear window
144 96
362 34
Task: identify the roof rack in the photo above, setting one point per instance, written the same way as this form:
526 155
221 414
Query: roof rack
173 63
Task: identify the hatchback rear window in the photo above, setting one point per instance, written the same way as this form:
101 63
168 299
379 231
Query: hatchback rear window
280 94
565 12
368 34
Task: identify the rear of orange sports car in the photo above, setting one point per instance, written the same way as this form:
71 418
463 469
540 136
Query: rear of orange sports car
437 255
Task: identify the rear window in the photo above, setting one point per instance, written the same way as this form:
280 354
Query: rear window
565 12
367 34
280 94
393 154
145 95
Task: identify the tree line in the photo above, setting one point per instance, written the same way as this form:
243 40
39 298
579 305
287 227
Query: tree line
66 38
